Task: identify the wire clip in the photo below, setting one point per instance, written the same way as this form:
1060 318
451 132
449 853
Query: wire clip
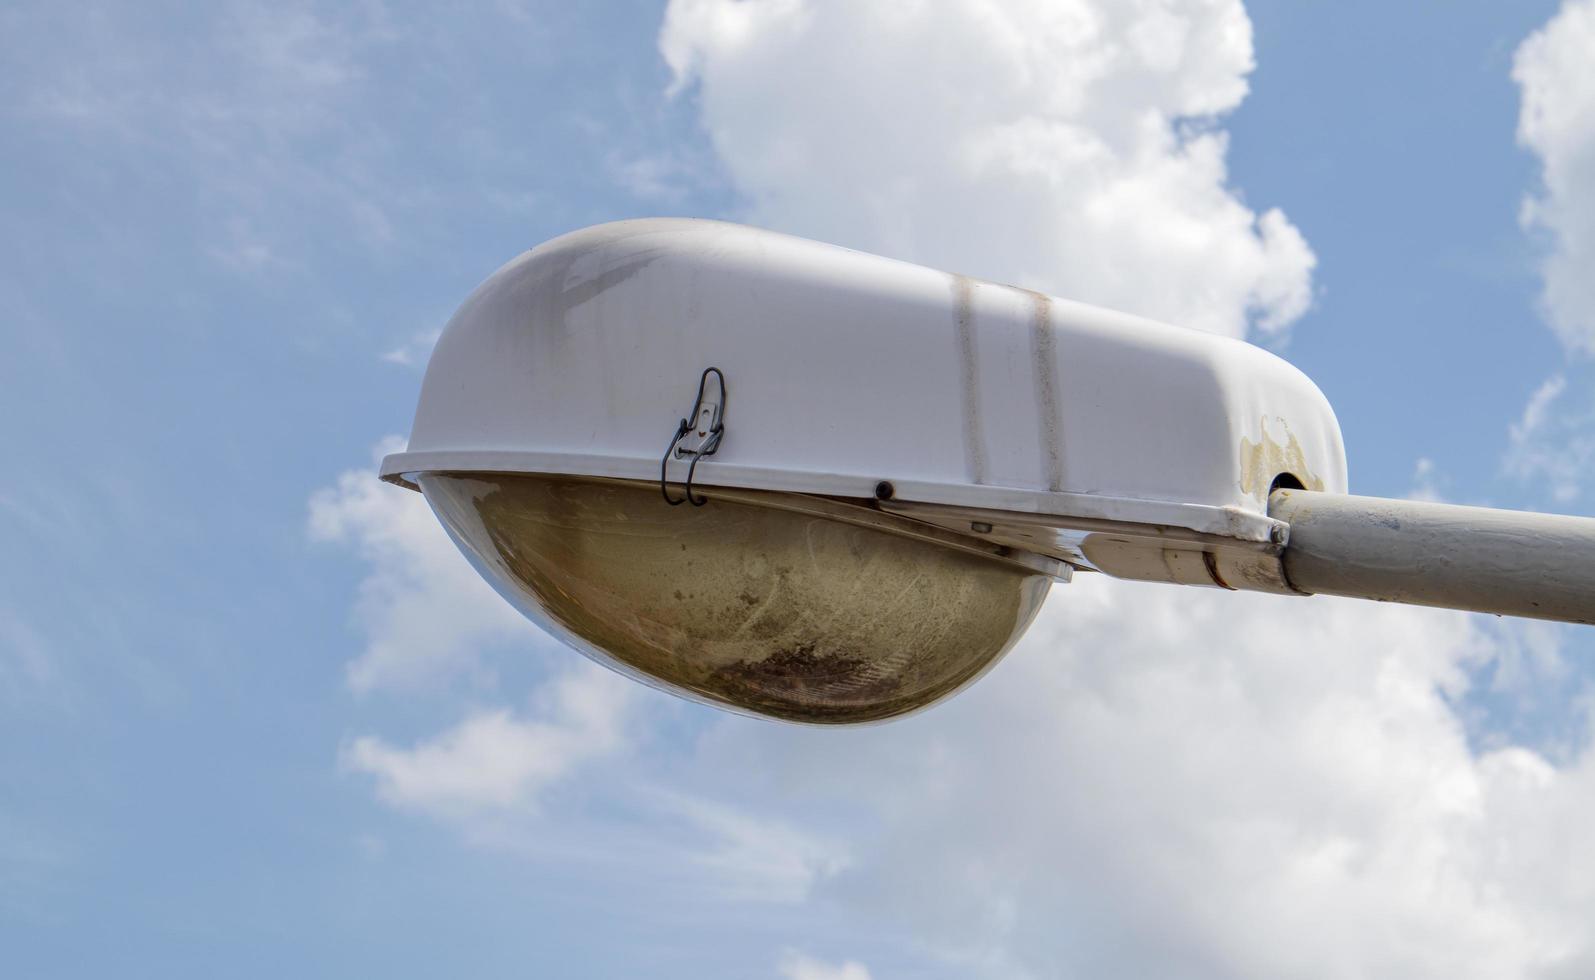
697 436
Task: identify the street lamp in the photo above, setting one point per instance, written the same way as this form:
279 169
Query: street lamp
804 482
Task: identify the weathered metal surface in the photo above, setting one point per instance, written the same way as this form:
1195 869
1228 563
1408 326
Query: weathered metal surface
869 514
853 369
798 612
1509 563
1228 556
1266 459
1250 571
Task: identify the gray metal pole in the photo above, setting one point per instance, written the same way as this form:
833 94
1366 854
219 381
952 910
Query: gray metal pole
1506 562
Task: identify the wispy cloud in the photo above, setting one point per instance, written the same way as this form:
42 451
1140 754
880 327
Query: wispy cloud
749 855
29 670
415 350
249 105
1551 447
1426 481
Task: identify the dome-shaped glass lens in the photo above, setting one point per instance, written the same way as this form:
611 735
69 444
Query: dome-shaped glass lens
790 615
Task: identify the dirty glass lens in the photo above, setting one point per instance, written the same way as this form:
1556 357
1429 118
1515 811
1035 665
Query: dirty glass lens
787 615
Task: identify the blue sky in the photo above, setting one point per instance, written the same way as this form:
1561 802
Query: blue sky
231 692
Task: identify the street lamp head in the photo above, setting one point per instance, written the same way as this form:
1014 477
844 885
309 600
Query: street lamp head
804 482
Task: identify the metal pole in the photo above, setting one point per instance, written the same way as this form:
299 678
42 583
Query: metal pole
1506 562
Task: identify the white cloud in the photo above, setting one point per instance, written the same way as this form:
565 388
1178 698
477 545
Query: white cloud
1557 124
1530 668
797 966
750 857
1527 456
1426 480
494 761
1552 445
426 614
662 178
1064 146
1536 411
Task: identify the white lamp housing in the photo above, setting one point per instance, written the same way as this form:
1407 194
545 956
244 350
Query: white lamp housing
896 461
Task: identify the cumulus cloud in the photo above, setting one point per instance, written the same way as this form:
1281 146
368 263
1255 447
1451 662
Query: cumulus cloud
1071 147
496 761
1557 124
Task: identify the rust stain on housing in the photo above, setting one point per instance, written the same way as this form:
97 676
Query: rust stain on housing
969 376
1264 460
1210 562
1044 358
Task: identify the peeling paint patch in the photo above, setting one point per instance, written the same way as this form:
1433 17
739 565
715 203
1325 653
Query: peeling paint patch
1267 458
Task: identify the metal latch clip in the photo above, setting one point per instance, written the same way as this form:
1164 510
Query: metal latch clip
697 436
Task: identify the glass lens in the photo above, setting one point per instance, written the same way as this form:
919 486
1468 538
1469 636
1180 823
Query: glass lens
788 615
